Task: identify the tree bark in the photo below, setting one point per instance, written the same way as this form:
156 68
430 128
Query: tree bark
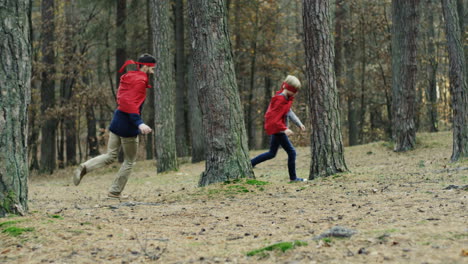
404 67
15 94
181 91
458 80
148 109
195 117
93 145
431 93
326 141
350 91
67 84
121 38
227 154
49 126
164 87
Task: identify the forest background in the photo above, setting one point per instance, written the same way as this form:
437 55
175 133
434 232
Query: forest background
75 75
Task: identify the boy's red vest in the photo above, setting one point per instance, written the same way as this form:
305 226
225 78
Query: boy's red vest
132 91
275 116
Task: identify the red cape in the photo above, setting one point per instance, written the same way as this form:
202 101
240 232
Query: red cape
132 91
276 114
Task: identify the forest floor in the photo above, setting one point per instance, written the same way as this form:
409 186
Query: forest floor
398 203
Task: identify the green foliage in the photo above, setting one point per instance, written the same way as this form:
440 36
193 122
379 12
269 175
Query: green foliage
421 164
16 231
327 239
256 182
388 144
282 246
8 223
7 202
56 216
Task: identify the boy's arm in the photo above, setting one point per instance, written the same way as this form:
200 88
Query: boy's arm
137 121
295 119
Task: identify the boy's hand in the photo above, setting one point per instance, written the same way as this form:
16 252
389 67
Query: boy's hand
288 132
144 129
302 127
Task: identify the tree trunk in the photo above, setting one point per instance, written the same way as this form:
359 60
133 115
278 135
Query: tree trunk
251 102
195 117
164 87
458 81
326 142
404 67
266 102
15 93
148 108
351 98
431 92
363 105
121 38
121 47
181 93
48 130
227 154
67 84
93 145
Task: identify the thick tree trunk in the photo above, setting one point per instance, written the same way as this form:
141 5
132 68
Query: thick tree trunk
49 126
181 91
15 93
227 154
458 80
404 67
148 108
326 142
195 117
164 86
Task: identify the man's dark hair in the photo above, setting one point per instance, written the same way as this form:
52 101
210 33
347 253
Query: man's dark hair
146 58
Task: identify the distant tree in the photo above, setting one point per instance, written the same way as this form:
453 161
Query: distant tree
404 67
458 80
326 141
120 37
49 126
431 91
15 92
227 155
164 86
181 90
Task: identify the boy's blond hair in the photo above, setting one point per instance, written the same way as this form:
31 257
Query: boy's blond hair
293 81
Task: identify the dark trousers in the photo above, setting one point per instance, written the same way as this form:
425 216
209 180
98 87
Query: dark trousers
276 141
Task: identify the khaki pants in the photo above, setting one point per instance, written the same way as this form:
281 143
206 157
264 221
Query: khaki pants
129 146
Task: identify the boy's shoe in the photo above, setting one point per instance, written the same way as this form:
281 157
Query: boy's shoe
117 196
299 180
78 174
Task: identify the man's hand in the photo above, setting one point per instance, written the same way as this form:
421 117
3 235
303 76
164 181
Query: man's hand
288 132
302 127
144 129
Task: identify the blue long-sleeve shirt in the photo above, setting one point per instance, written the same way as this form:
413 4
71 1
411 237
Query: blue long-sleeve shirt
125 125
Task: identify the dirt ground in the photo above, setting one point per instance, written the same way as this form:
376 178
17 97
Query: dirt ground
395 201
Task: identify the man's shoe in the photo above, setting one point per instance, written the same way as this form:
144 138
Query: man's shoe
78 174
299 180
117 196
